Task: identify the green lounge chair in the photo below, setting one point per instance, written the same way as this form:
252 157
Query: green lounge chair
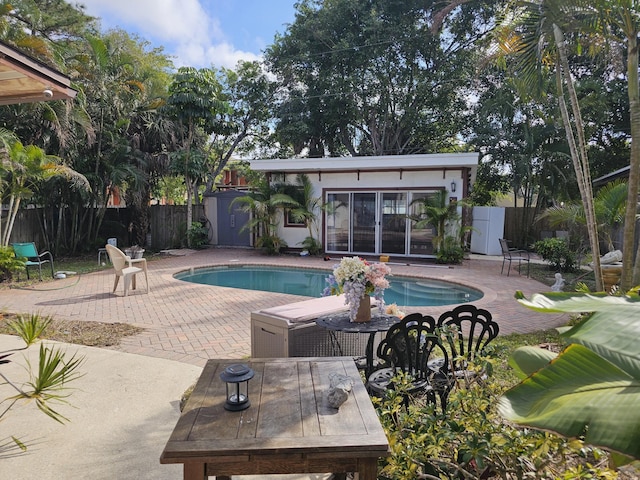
29 251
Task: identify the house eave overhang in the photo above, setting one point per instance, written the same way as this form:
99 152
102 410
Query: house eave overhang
436 161
24 79
620 173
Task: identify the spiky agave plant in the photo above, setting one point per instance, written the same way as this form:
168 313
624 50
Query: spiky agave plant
30 327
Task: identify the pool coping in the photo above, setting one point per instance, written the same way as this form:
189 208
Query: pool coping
194 270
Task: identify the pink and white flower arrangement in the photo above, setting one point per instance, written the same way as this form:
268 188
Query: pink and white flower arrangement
355 277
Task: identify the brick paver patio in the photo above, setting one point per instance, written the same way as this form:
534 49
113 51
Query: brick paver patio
191 323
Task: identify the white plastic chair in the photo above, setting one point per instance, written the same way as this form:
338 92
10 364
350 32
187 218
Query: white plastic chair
123 266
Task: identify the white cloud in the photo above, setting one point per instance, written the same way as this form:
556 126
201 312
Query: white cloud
172 20
220 55
183 27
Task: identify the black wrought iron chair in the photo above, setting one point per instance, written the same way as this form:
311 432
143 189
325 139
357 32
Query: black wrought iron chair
412 346
467 330
514 255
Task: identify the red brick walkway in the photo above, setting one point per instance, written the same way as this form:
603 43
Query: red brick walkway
191 323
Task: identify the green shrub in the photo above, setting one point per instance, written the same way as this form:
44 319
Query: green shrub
271 244
47 382
471 441
9 264
556 251
311 245
450 251
198 235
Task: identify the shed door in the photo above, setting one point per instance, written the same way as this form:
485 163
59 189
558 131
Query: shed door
230 222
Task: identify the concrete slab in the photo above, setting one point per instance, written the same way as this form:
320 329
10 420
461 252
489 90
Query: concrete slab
121 413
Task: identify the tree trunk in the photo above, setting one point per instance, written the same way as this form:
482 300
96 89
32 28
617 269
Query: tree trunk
189 185
578 151
631 278
13 212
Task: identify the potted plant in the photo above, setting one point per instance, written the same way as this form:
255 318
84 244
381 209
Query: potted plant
134 252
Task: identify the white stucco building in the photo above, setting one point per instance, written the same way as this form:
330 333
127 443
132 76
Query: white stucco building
368 198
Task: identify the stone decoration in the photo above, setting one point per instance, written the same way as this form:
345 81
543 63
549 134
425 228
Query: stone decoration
339 388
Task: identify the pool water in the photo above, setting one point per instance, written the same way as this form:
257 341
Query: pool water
403 291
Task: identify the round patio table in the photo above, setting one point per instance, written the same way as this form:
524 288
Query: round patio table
340 322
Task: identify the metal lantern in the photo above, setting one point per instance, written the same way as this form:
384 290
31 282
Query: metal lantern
237 378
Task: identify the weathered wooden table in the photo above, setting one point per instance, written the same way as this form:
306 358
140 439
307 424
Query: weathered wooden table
289 427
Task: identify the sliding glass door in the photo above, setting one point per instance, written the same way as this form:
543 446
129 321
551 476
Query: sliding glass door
393 231
421 238
375 223
363 231
337 222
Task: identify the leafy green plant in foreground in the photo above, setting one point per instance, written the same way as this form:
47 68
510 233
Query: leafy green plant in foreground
50 383
46 386
471 441
591 390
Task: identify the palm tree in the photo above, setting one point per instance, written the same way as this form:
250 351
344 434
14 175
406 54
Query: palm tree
437 212
264 202
619 21
22 167
306 210
610 204
533 33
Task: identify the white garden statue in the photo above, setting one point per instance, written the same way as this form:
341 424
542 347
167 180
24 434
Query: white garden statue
557 287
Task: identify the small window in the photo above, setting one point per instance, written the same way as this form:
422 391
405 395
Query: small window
277 177
289 221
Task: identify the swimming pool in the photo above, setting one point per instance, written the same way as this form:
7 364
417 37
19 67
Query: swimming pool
403 291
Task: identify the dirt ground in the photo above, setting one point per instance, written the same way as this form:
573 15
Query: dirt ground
93 334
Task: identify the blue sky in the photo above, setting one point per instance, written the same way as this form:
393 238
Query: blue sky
198 33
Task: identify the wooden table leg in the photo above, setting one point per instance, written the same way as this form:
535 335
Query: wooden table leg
368 469
194 471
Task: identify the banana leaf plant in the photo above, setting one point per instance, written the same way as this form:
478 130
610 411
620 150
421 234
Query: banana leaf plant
591 389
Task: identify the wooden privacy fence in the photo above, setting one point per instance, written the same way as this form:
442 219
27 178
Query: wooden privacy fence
26 227
521 227
168 226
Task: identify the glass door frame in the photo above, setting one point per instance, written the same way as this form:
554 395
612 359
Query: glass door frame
379 214
361 208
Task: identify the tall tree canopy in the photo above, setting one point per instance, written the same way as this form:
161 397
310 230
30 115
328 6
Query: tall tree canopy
376 77
249 94
195 104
